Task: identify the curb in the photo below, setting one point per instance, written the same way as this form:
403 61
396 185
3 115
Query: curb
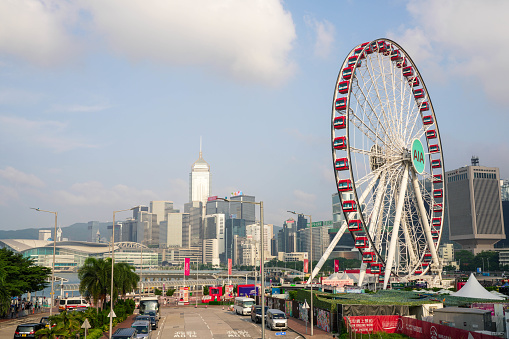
302 335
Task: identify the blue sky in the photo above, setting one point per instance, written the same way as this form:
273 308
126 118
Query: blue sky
102 103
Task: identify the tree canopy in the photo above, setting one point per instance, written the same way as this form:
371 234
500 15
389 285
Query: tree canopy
19 275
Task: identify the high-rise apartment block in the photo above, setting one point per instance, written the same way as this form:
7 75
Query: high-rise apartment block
475 207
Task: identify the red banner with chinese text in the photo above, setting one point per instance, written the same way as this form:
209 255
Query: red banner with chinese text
306 265
408 326
230 266
336 266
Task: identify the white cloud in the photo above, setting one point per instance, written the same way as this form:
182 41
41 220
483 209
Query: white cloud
247 40
324 31
36 30
93 193
18 177
466 36
7 194
305 201
48 134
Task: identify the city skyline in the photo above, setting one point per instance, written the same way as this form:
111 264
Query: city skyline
100 113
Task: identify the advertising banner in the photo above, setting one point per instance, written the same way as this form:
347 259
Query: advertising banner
187 266
229 266
306 265
336 266
408 326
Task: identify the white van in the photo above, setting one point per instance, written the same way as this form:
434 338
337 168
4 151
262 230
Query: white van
73 304
243 305
276 320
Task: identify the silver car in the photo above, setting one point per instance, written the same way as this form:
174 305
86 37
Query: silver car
276 320
143 328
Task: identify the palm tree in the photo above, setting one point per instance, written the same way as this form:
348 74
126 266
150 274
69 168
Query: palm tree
52 332
125 279
67 320
94 278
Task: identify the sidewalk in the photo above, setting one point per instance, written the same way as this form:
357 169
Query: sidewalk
126 323
4 322
299 326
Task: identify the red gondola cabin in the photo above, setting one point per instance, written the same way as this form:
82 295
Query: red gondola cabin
438 193
401 63
349 206
434 235
424 106
437 208
343 87
353 60
418 271
340 143
427 257
436 222
427 120
355 225
368 257
361 242
413 82
396 55
340 122
434 149
357 52
436 163
341 164
382 46
437 178
347 73
341 104
431 134
368 49
344 185
376 268
408 71
418 93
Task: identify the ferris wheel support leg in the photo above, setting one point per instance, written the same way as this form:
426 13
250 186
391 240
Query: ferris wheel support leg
395 228
425 223
373 223
328 251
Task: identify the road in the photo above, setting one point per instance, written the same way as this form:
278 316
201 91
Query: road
190 322
212 322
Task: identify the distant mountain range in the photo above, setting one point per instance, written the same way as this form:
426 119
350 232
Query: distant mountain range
77 232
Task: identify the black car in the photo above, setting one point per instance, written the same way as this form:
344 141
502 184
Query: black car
256 313
153 315
28 330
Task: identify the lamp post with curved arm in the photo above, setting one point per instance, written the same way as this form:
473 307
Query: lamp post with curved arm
53 264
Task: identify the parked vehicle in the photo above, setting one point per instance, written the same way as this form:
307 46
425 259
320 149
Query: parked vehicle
27 330
243 305
256 313
143 328
276 320
125 333
45 322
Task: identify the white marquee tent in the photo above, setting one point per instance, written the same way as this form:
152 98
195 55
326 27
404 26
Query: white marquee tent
473 289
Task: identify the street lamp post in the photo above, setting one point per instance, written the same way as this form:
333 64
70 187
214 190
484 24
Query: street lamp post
310 261
113 265
262 266
53 264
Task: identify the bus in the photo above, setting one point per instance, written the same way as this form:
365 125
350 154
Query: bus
243 305
149 304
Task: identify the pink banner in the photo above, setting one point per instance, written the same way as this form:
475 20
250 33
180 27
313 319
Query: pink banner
336 266
187 268
230 266
375 323
306 263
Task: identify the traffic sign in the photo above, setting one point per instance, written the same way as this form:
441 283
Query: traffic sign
86 324
280 333
306 305
112 315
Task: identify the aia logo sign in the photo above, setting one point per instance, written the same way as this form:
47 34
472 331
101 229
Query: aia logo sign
417 155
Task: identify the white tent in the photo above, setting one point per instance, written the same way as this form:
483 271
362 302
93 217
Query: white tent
472 289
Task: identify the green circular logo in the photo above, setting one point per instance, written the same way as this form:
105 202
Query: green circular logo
418 159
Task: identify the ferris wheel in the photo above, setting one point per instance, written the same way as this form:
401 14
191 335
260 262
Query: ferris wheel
388 162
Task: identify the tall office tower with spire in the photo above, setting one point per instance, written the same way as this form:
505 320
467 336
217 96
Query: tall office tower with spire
199 191
199 180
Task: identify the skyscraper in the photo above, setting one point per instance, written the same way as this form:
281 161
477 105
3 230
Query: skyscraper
475 207
199 180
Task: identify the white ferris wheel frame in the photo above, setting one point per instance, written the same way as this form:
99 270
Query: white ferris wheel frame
392 195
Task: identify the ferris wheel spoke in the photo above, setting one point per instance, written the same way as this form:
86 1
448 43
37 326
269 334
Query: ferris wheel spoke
366 130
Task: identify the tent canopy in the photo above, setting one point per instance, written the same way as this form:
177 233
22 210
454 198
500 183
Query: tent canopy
473 289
